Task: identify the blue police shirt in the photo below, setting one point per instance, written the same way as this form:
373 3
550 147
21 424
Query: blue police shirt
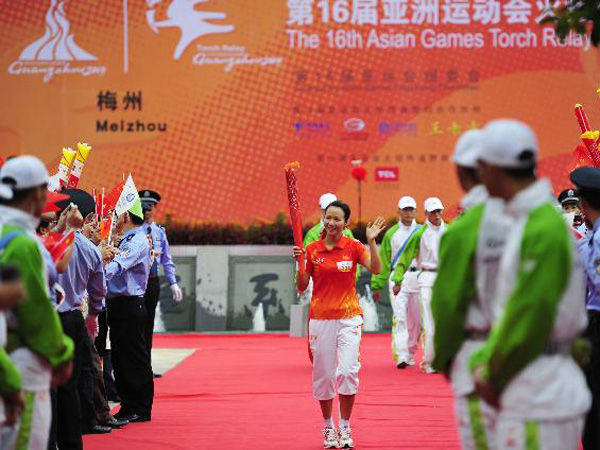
589 249
127 274
52 273
162 252
84 272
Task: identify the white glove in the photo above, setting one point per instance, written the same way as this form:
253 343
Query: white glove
177 294
91 325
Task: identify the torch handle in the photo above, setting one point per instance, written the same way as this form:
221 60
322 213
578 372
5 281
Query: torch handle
584 125
593 151
295 214
582 119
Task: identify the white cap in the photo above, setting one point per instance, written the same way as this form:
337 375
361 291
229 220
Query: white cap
505 141
21 172
327 199
433 203
407 202
468 148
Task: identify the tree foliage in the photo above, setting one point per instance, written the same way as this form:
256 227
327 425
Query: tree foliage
580 16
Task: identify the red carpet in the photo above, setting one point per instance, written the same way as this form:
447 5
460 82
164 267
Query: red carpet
254 392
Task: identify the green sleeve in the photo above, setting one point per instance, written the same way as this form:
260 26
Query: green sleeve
313 235
10 378
410 252
348 233
525 326
380 280
454 287
39 326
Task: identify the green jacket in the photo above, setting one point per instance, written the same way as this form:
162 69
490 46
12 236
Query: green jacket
380 280
10 378
411 251
524 328
455 286
39 327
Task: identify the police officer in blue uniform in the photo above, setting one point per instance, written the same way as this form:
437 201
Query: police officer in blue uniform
587 180
570 203
161 255
127 279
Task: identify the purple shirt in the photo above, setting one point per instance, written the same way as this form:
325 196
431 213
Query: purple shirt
160 245
127 274
589 249
85 272
52 273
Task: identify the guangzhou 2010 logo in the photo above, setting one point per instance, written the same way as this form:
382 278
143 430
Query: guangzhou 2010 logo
56 53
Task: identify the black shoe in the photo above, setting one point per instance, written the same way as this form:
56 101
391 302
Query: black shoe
115 423
401 365
157 375
98 429
137 418
122 414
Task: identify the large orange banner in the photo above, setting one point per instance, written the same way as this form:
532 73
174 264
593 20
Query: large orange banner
206 100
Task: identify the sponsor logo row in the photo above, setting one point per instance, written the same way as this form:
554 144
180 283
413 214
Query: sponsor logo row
353 128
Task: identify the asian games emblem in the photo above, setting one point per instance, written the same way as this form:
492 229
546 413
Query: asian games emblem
56 53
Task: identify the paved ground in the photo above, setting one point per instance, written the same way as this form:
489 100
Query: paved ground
164 359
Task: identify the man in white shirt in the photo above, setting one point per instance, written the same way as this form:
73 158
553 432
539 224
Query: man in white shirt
406 320
423 246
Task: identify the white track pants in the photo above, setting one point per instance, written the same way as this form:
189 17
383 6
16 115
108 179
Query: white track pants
32 430
515 434
476 423
335 346
426 280
406 320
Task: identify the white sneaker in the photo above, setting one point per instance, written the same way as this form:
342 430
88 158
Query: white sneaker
346 437
331 438
429 369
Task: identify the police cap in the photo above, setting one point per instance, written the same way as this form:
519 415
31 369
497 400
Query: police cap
568 195
586 178
149 198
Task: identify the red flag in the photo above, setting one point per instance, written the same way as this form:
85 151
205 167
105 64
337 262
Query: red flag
105 227
110 200
58 243
52 199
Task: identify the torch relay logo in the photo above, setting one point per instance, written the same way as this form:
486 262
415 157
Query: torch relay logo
194 24
191 22
53 53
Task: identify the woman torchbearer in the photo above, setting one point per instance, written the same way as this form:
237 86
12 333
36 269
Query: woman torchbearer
335 326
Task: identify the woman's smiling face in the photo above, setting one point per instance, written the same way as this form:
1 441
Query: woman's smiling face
335 220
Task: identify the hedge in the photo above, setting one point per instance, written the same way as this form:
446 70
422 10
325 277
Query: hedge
278 232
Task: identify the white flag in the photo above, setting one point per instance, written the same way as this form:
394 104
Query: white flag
129 197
